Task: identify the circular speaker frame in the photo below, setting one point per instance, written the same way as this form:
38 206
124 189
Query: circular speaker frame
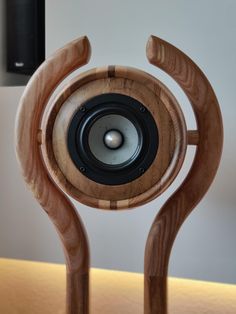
160 172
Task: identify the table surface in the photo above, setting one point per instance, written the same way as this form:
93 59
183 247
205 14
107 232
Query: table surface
36 288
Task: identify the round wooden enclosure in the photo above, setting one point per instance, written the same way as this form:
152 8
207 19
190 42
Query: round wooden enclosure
168 118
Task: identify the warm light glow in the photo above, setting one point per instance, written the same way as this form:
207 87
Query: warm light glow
34 287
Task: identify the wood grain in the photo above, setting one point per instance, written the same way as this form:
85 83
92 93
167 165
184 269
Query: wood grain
155 97
34 128
58 207
209 147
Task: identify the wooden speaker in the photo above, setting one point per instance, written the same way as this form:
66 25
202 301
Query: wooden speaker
148 120
115 138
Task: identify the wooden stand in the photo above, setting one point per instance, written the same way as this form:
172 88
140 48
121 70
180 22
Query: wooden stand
30 137
209 138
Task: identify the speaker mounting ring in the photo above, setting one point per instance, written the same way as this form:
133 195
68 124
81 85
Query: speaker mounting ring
153 96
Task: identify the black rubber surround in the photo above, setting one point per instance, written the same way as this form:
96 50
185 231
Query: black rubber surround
85 117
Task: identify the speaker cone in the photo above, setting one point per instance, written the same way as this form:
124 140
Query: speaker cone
112 139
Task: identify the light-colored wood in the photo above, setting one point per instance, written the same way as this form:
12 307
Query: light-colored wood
209 146
155 97
35 127
28 139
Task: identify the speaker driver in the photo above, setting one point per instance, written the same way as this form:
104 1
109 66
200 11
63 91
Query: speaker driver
112 139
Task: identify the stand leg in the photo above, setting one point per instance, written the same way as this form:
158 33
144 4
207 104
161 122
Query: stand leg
155 295
77 293
209 142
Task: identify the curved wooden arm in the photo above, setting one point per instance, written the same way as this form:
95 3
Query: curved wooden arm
58 207
209 146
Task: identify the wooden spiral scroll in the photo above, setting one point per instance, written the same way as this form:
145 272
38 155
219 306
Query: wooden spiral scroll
35 153
56 204
209 140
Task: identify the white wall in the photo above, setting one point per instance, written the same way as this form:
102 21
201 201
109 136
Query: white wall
118 31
